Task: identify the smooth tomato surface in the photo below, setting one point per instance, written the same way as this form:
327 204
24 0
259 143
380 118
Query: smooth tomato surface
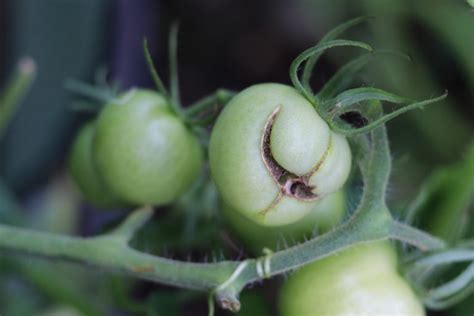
361 280
85 172
144 151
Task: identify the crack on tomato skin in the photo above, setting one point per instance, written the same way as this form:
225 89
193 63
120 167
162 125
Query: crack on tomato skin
322 160
272 205
276 171
288 183
299 188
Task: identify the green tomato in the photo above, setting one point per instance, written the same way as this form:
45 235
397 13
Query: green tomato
326 213
144 151
272 157
85 172
361 280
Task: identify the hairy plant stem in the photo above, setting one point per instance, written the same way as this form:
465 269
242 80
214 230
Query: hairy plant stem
371 221
215 100
111 251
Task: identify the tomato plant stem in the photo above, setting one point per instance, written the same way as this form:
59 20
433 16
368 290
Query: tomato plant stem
216 99
371 221
110 251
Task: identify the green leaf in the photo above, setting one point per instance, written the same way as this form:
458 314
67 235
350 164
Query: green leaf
444 199
344 77
354 96
203 111
101 94
333 34
317 49
345 129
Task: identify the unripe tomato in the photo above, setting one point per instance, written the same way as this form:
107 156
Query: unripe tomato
326 213
143 150
361 280
85 172
272 157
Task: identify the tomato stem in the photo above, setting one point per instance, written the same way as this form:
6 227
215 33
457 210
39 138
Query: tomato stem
173 60
371 221
101 94
196 113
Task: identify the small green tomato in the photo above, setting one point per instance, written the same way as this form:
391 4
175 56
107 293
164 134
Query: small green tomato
144 151
85 172
326 213
272 157
361 280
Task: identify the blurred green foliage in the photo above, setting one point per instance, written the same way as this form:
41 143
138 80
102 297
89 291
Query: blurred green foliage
66 39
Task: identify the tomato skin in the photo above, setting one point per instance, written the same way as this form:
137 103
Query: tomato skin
85 173
361 280
144 151
326 214
335 169
300 142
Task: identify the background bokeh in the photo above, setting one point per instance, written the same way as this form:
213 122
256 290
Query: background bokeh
222 43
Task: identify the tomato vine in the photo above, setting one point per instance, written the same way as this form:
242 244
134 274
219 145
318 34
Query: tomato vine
224 280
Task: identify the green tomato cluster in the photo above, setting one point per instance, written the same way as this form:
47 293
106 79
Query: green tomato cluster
273 157
362 280
279 169
137 152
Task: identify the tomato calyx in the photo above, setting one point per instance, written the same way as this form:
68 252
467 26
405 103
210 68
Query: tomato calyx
298 188
290 184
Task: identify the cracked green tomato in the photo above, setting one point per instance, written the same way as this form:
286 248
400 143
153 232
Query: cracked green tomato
273 157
